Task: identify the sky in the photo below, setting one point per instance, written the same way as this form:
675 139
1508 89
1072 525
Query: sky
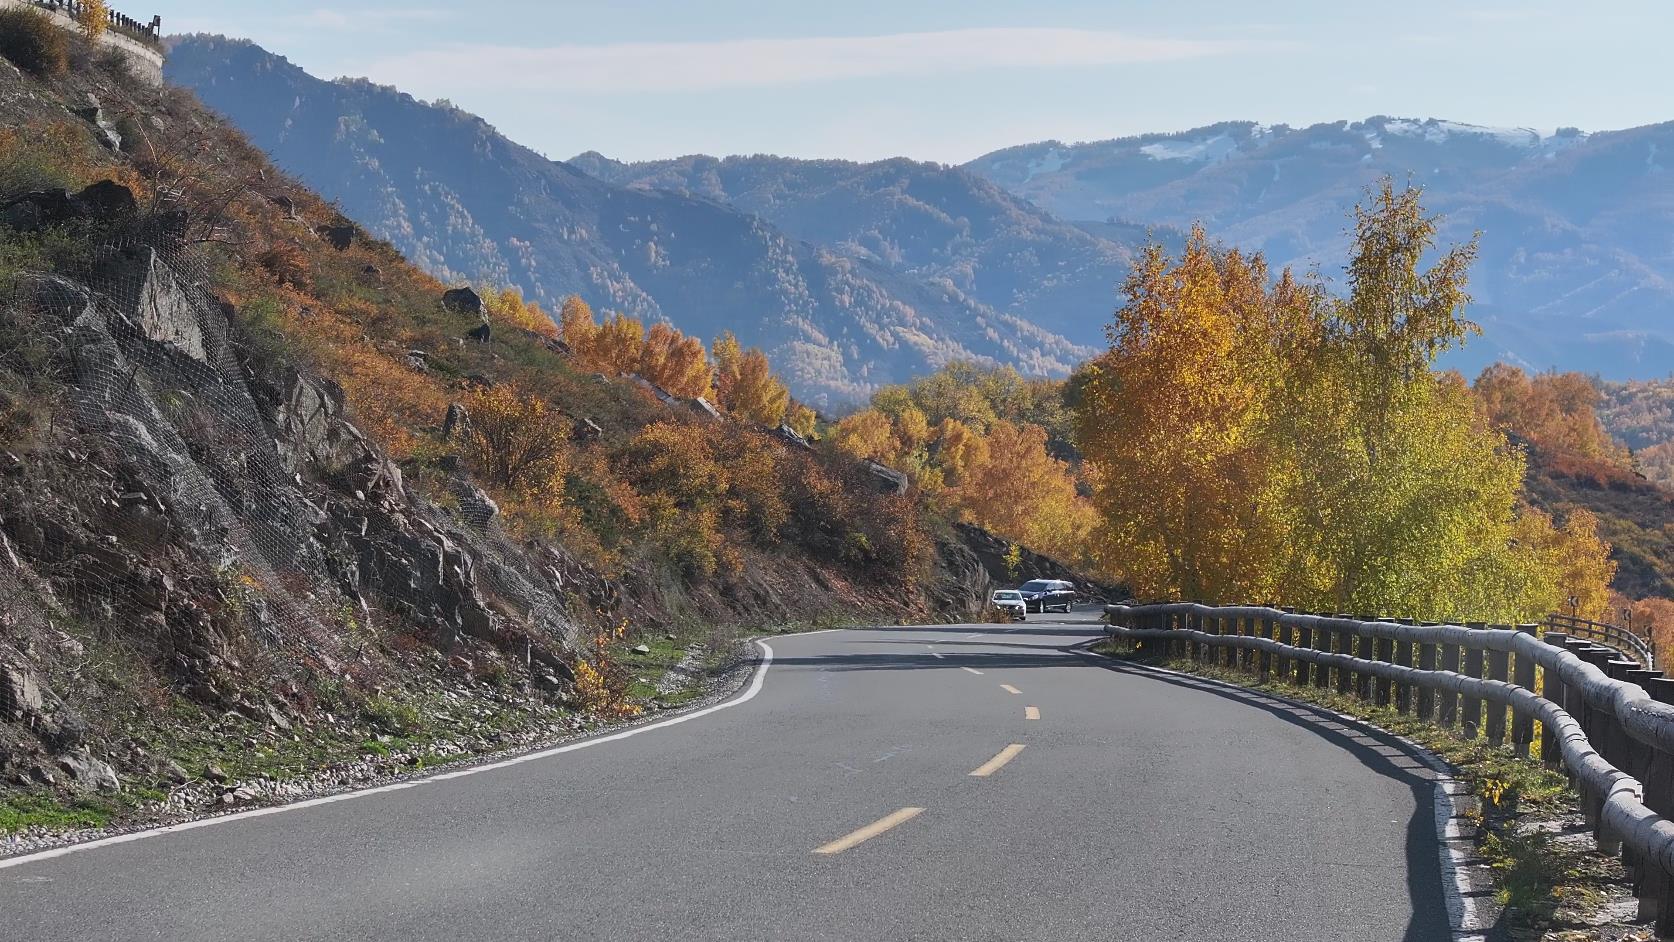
949 81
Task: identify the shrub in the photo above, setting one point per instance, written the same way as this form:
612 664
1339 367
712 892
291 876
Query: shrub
33 42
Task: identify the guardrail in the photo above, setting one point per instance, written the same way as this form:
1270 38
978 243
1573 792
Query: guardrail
1621 639
1606 720
149 33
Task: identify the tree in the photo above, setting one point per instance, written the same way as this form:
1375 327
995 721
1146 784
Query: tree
1015 489
93 16
675 362
508 306
578 329
802 420
750 391
866 434
518 441
1249 441
617 346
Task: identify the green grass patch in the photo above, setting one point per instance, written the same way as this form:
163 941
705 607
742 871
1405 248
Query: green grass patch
42 809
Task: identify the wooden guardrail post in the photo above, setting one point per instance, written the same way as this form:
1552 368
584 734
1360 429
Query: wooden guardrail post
1447 710
1366 684
1304 639
1523 675
1323 638
1656 889
1229 628
1282 665
1264 658
1403 657
1246 656
1383 687
1499 668
1552 688
1470 719
1345 645
1427 695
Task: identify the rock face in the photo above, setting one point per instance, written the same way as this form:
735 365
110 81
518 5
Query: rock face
105 201
219 516
464 301
887 479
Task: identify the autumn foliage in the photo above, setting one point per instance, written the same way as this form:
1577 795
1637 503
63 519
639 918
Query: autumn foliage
1256 439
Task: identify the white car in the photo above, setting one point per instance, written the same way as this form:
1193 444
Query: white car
1011 602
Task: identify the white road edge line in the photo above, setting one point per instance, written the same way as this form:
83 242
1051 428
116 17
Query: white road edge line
745 697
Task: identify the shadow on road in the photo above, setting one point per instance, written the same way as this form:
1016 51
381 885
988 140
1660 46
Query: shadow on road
1381 753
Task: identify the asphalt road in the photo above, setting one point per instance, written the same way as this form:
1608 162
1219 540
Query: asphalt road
1140 807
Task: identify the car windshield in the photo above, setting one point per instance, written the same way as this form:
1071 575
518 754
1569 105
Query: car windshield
1039 585
1008 595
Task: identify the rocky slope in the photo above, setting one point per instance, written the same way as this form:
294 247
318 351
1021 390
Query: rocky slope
462 201
1576 269
223 556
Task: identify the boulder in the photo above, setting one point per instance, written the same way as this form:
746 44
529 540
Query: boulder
33 211
480 333
457 421
103 128
20 693
586 430
86 772
339 237
886 479
464 301
703 408
791 437
154 299
474 504
107 201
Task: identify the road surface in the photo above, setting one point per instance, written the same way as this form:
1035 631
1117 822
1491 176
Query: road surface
944 782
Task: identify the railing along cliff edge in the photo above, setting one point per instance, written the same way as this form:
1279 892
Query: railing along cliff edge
1605 719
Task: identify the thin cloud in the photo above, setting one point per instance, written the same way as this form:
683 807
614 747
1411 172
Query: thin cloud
741 63
337 20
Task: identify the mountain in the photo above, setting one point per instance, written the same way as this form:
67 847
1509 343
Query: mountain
465 203
921 219
1577 250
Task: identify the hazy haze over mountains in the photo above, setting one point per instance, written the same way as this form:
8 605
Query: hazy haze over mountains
855 274
1577 249
466 203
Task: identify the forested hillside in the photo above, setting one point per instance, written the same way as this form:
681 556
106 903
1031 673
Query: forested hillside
463 202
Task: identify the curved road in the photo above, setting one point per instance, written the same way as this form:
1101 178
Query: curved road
1140 807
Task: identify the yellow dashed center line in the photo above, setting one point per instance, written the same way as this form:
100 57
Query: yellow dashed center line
972 670
1008 688
1031 713
870 831
993 765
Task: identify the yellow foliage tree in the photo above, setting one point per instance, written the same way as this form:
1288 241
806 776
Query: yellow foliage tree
93 16
866 434
1255 442
1015 489
802 420
617 346
519 442
508 307
578 328
675 362
750 391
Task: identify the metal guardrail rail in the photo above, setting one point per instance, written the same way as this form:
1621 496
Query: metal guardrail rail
1605 719
1621 639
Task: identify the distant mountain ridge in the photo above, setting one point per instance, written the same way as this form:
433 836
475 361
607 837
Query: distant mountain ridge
923 219
1577 250
464 202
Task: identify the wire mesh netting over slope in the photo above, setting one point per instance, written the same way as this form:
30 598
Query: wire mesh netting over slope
184 458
